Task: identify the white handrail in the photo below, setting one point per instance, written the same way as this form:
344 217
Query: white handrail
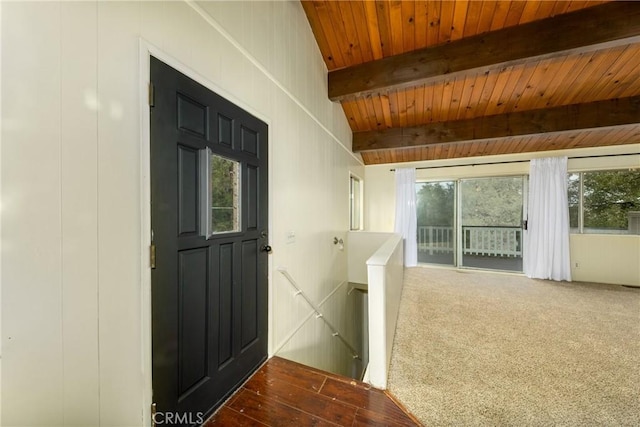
316 309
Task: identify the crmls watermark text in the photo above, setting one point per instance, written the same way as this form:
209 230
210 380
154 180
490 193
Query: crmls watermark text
171 418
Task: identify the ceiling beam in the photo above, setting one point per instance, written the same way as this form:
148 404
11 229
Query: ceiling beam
593 115
593 28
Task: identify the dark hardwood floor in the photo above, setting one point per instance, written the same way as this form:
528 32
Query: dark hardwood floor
285 393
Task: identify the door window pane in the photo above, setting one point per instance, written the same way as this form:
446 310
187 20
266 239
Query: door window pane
491 217
435 204
220 196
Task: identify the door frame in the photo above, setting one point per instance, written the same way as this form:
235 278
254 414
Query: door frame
146 50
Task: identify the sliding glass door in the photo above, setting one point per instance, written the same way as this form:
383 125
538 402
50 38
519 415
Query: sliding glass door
491 223
435 205
475 223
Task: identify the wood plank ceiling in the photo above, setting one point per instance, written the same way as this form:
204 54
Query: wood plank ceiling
425 80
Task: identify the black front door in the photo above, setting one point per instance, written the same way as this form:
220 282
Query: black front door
209 229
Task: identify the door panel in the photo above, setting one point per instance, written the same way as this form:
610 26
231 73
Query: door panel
209 287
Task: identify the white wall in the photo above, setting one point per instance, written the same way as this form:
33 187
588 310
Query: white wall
604 259
360 246
74 219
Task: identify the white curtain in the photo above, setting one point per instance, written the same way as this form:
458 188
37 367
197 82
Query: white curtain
406 221
546 253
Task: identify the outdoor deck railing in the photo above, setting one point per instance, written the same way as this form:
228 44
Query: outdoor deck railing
476 240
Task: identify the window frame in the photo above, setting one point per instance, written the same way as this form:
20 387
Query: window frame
352 202
580 230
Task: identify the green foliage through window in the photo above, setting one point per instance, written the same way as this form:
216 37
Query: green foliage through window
610 201
225 195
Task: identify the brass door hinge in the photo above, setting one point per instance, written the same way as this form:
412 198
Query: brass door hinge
153 415
152 255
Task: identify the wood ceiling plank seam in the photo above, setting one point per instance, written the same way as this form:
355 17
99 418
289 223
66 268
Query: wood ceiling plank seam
485 97
419 100
397 30
402 108
623 136
455 29
526 145
561 7
437 151
371 112
591 75
466 96
386 110
391 156
529 12
344 40
472 22
451 108
410 95
327 29
482 151
444 152
521 74
360 111
427 113
437 107
379 114
471 149
630 136
352 114
447 95
578 140
433 32
394 108
545 10
371 13
574 75
504 87
536 78
366 158
384 27
560 80
577 5
421 24
316 28
556 69
629 82
502 77
408 26
365 123
457 150
474 101
517 96
362 31
619 71
350 26
500 15
486 16
513 144
514 14
446 21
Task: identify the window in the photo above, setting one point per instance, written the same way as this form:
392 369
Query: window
474 222
220 195
355 203
605 202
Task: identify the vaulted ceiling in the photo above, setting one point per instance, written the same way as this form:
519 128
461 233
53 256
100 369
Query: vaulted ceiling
425 80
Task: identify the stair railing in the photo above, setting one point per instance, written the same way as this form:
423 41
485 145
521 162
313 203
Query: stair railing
319 315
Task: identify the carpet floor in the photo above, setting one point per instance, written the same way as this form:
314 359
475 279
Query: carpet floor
485 349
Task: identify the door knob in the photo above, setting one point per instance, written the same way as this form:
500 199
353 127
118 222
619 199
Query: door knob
266 248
